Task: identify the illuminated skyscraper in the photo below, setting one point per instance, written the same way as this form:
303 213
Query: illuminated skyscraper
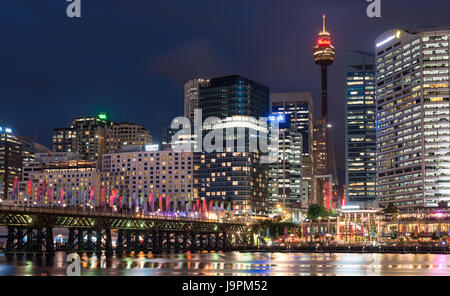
360 133
191 92
235 176
413 118
291 177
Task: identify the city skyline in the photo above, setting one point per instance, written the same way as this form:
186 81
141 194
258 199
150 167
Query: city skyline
120 71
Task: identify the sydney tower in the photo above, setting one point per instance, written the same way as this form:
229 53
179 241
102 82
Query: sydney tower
323 56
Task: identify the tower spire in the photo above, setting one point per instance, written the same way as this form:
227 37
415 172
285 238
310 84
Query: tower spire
323 17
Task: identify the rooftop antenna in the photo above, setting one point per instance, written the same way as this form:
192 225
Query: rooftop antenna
323 17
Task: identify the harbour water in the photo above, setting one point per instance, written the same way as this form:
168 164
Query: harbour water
237 264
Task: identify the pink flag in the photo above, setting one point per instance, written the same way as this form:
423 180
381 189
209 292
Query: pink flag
120 201
150 201
61 195
210 205
30 187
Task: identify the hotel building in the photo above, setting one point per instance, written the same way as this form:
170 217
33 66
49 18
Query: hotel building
235 176
142 172
413 118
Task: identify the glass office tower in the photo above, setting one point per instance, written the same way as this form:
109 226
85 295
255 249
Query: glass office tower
360 129
234 176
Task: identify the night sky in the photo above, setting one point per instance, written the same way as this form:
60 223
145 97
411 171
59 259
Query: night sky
132 57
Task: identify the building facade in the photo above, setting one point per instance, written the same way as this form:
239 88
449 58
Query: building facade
360 128
87 136
124 134
10 160
67 177
191 94
139 173
413 118
297 143
234 176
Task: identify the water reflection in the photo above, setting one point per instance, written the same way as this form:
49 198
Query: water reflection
236 263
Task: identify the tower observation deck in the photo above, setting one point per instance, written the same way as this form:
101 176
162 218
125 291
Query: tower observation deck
324 56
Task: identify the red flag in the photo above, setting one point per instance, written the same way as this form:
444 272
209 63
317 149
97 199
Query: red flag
61 195
91 195
351 230
44 187
50 194
362 230
160 203
30 187
102 196
210 205
120 201
198 204
416 232
168 203
205 209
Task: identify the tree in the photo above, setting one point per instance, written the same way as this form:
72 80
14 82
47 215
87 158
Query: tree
391 208
317 211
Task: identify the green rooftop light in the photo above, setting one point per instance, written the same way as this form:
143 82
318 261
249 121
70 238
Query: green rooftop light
102 116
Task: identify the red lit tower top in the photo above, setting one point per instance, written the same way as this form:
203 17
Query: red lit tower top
324 50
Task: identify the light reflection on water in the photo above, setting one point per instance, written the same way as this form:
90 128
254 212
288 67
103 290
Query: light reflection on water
237 263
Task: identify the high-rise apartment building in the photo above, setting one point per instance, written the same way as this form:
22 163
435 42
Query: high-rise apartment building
360 128
297 142
125 134
232 175
64 140
10 160
413 118
87 136
191 93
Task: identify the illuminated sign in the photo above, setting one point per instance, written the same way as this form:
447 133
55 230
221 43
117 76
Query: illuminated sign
154 147
323 42
277 117
6 130
102 116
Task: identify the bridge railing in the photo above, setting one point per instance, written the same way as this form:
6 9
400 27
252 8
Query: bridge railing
93 213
